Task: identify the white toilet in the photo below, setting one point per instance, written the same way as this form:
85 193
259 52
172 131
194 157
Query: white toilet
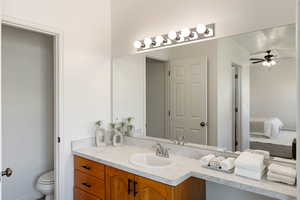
46 184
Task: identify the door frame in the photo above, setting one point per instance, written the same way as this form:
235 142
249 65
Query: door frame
58 92
236 104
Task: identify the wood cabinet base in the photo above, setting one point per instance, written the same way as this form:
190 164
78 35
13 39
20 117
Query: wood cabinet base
120 185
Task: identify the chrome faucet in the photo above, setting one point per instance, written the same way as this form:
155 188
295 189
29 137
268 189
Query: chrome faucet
161 151
179 140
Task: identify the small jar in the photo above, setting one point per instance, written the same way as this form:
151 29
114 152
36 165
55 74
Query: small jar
100 136
118 138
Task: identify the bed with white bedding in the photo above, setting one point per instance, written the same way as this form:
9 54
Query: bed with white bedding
280 146
268 135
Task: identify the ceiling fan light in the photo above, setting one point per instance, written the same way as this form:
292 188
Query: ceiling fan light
273 62
265 63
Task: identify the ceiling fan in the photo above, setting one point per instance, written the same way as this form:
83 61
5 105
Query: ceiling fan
268 60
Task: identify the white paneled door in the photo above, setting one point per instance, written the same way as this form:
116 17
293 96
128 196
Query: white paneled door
188 99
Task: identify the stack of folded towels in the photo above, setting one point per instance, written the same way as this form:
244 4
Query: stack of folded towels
221 163
282 174
250 165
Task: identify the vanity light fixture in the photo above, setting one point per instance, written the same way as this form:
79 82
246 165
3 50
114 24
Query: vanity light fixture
201 31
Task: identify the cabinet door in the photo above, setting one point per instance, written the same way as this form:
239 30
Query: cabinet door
119 185
146 189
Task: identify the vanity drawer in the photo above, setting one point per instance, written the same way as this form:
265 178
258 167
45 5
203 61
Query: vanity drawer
90 167
89 184
81 195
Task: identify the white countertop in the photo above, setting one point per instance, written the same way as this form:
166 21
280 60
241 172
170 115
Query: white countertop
118 157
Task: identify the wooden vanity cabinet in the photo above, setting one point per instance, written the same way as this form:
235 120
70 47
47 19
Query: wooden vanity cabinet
94 181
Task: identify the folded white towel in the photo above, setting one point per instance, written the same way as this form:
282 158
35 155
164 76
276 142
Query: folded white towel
257 175
280 178
227 164
250 161
266 154
283 170
216 162
206 159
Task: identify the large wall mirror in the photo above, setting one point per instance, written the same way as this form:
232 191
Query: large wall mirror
235 93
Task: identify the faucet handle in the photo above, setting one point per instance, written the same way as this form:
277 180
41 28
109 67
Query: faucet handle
166 152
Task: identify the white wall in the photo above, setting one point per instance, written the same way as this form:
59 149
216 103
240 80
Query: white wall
135 19
230 52
27 114
273 92
86 72
129 90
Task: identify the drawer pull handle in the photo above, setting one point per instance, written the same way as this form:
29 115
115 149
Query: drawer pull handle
134 188
87 185
86 167
129 186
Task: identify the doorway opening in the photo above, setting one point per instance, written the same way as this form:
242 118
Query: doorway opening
31 102
157 98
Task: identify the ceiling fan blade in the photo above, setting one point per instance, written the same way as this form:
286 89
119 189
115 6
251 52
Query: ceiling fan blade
258 52
257 62
256 59
284 58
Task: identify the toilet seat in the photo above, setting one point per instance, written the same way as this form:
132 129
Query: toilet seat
46 185
47 178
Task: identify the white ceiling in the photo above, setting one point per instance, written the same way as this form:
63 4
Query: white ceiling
282 38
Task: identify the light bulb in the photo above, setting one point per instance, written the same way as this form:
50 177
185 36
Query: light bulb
201 28
265 63
273 62
172 35
159 40
147 42
180 38
137 44
185 32
209 33
194 35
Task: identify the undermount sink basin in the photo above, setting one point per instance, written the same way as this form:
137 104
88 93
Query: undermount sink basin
150 160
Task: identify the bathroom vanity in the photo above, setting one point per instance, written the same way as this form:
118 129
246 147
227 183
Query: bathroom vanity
96 181
101 171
